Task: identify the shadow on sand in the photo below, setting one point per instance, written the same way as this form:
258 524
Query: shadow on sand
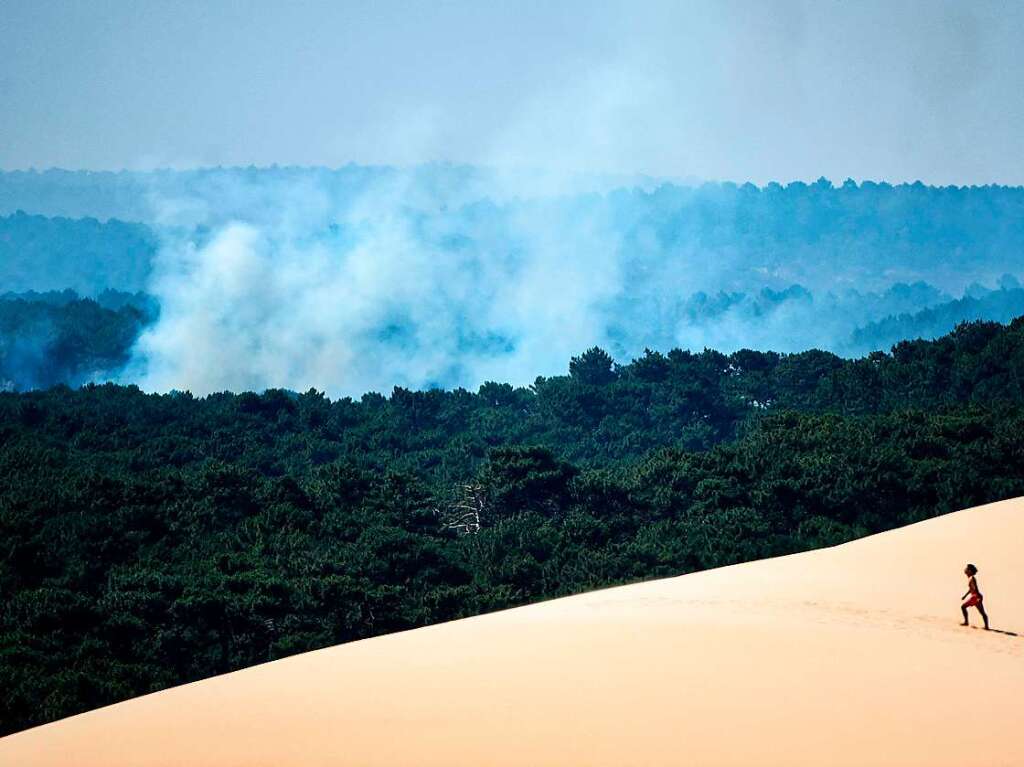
997 631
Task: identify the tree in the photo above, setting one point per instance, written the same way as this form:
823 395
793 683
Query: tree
595 367
526 479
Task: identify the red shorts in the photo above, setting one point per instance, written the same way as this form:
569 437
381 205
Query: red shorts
973 600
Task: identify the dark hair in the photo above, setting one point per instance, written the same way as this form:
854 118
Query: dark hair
972 569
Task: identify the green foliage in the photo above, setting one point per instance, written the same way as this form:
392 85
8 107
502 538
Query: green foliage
595 367
521 480
49 339
150 540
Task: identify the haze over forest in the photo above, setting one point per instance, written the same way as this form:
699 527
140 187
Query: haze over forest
366 278
419 195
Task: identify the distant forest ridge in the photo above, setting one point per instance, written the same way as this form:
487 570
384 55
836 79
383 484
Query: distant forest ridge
127 194
450 269
58 337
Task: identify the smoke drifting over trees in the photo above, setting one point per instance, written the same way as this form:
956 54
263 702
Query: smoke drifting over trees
366 278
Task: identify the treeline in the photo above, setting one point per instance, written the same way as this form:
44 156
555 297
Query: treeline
86 255
152 540
59 338
724 266
850 323
600 414
979 303
804 233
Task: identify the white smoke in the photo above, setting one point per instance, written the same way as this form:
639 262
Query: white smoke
443 276
376 293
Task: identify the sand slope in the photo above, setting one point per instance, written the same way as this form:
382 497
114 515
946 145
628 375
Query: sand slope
845 656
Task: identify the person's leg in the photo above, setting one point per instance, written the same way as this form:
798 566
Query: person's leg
963 609
984 615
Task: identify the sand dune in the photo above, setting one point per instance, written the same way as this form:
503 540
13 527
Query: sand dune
845 656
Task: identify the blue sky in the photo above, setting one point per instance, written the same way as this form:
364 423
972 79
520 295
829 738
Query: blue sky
738 90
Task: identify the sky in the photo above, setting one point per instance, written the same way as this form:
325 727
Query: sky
742 91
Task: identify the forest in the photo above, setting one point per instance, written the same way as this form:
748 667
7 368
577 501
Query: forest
57 337
849 268
95 230
61 337
41 253
148 540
